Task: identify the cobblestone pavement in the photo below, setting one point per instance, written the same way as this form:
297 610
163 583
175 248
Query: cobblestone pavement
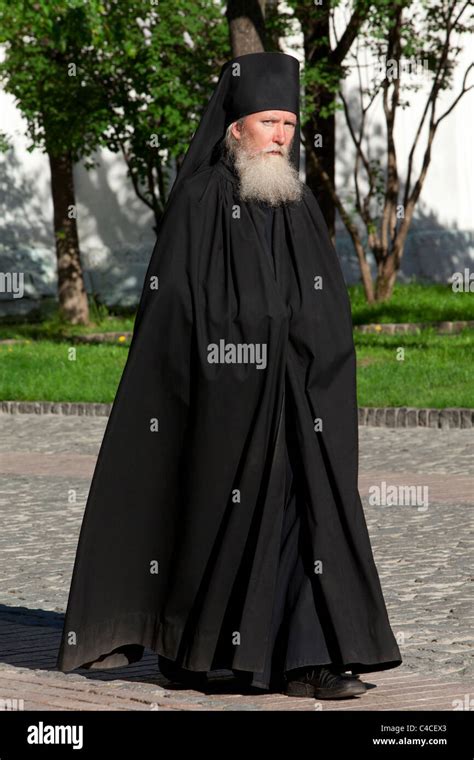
423 552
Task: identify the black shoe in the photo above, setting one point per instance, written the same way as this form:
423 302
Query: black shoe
320 683
335 669
192 678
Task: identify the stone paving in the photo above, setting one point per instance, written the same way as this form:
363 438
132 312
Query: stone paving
423 552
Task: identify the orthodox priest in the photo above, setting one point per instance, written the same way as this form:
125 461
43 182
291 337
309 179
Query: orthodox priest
224 528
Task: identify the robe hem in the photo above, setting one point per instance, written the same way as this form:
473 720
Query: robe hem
165 640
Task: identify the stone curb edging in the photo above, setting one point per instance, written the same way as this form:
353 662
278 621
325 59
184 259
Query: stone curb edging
110 337
81 408
393 328
385 416
407 416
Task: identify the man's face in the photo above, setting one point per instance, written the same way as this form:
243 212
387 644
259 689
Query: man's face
260 150
268 132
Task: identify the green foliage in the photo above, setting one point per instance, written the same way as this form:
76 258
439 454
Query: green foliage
156 66
131 76
4 142
45 47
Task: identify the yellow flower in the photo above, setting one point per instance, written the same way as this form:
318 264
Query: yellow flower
122 338
378 328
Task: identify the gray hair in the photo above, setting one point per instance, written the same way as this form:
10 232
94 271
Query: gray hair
229 142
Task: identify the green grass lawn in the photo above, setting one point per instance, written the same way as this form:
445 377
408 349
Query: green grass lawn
413 302
43 371
437 370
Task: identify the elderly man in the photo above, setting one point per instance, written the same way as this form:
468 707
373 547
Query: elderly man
224 528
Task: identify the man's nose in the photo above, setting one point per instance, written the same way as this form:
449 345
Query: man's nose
279 134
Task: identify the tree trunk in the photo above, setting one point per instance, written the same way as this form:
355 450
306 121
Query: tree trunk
73 304
315 29
386 278
325 128
246 26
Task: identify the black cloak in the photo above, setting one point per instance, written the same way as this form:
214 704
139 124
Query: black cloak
180 541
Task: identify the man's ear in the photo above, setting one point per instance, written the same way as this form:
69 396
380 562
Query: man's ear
236 130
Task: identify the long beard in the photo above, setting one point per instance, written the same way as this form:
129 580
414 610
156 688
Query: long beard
266 177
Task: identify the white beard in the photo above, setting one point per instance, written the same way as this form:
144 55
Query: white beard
270 178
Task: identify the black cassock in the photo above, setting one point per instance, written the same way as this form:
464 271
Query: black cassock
224 525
